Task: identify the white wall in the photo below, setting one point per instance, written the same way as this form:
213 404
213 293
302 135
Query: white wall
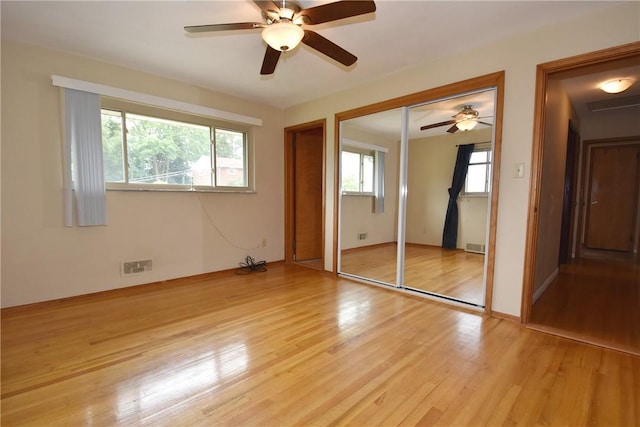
429 174
611 124
42 259
518 56
558 112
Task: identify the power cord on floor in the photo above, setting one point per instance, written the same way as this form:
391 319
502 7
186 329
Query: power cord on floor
250 265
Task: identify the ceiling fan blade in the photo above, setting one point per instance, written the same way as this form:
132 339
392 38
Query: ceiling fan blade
223 27
270 61
486 124
337 10
453 129
267 6
329 48
435 125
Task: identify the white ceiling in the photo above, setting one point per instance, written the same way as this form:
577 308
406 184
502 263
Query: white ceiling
149 36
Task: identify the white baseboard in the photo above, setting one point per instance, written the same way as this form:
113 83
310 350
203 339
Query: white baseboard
537 294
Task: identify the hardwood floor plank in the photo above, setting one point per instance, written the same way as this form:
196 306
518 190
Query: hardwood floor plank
293 346
595 299
453 273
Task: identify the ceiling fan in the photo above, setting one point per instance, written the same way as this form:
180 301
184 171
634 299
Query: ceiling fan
282 29
465 120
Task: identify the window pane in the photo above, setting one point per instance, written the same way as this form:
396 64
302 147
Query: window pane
367 173
478 157
112 146
230 159
476 176
350 171
164 151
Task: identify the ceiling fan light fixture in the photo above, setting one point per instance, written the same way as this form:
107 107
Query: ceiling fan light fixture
467 124
616 85
283 35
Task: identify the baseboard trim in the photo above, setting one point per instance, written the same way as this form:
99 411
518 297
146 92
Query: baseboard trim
505 316
537 294
127 290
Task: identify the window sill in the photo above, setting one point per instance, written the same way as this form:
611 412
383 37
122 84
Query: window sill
358 194
474 196
179 190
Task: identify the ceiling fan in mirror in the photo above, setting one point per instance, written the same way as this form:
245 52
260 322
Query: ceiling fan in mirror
284 28
465 120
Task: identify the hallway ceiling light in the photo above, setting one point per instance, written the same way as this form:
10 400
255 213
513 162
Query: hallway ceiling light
616 85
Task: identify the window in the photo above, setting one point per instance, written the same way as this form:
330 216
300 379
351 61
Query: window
151 148
478 181
358 172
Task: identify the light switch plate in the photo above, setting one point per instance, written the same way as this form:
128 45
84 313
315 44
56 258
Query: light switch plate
518 170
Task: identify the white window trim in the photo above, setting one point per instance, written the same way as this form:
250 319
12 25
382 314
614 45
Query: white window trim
378 174
153 100
361 153
486 146
363 145
156 112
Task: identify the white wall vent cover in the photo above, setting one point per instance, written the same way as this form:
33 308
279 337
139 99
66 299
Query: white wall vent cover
476 248
136 267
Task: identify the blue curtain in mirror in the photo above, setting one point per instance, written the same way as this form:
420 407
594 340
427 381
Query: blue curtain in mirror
450 232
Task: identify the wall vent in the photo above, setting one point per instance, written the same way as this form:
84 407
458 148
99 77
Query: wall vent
136 267
476 248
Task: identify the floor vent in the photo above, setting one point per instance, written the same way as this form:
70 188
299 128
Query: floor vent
136 267
476 248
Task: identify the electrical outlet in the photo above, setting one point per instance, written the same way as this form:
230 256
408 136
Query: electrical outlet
264 242
362 236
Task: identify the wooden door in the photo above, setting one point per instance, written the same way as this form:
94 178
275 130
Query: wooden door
308 150
613 197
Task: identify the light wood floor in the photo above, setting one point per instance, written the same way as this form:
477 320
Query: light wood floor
294 347
454 273
596 299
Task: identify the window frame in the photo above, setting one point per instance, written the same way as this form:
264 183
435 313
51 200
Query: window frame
126 107
485 147
374 184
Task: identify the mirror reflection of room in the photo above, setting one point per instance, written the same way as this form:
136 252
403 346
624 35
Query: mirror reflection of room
444 264
369 188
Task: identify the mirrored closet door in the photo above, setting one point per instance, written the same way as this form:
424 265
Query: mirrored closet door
415 196
369 151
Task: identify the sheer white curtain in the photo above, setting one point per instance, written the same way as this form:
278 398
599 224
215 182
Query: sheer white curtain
84 181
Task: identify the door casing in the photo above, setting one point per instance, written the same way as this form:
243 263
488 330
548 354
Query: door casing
289 181
543 73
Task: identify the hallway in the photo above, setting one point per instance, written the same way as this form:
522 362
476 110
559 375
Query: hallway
594 299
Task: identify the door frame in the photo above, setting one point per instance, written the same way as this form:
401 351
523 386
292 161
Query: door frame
570 197
588 146
543 73
493 80
289 180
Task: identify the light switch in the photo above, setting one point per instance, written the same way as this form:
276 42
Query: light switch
518 170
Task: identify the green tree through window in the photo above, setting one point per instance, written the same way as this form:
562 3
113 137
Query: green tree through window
151 150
